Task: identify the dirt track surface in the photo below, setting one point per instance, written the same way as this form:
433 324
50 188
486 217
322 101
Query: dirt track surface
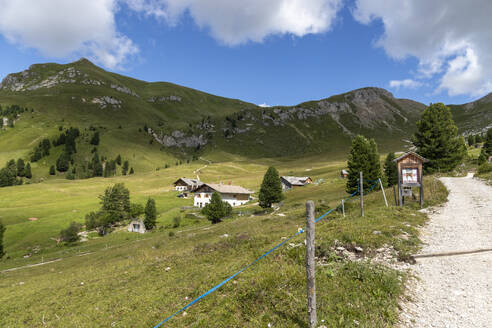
455 291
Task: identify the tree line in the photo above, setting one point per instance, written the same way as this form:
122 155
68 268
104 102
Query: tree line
14 172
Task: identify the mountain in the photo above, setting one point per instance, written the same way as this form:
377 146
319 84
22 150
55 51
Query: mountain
474 117
182 123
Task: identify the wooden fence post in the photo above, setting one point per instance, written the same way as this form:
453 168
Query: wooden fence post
394 194
310 264
343 207
361 194
384 194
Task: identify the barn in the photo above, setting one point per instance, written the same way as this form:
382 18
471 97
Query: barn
289 182
234 195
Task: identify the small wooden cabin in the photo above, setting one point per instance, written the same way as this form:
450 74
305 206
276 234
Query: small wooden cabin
410 174
289 182
344 174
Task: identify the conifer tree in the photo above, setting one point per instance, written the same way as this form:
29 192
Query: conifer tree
95 139
132 171
363 157
216 210
52 170
437 139
391 170
27 171
62 163
150 214
488 143
118 159
2 230
21 166
124 170
471 140
271 188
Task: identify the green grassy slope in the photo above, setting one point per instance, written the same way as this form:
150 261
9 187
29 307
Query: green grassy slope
106 281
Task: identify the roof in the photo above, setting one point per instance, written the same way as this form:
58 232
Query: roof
408 154
227 189
345 171
190 182
296 181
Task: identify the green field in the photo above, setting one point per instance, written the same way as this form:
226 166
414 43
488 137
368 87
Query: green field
123 280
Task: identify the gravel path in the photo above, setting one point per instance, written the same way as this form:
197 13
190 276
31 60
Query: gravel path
455 291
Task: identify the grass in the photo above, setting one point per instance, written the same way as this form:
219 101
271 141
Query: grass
123 280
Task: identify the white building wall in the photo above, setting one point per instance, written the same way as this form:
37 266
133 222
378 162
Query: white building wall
181 188
202 199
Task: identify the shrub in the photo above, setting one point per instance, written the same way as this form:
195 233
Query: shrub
70 234
176 221
2 230
485 168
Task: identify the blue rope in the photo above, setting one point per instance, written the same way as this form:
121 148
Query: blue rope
227 280
213 289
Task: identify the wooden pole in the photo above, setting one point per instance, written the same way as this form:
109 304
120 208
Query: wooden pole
394 194
343 207
361 194
384 194
310 264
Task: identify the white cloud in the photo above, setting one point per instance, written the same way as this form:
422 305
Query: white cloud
450 38
407 83
61 28
237 22
264 105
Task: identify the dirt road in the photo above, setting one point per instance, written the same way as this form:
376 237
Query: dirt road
455 291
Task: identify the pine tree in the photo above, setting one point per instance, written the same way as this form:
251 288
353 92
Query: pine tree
132 171
52 170
271 188
391 170
216 210
124 170
363 158
118 159
488 143
116 202
62 163
437 139
95 139
150 214
482 158
21 166
2 230
27 171
375 163
471 140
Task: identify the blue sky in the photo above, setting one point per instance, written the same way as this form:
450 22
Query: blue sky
261 56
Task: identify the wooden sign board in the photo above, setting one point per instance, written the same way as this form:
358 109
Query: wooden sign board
410 174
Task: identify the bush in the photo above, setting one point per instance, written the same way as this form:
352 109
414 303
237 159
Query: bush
485 168
2 230
70 234
176 221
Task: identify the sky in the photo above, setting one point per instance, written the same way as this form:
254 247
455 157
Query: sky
275 52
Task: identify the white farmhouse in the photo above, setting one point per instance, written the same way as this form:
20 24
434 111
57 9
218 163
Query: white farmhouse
234 195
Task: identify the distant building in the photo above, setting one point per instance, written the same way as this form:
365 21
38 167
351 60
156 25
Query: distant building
292 182
187 185
344 174
5 121
137 226
234 195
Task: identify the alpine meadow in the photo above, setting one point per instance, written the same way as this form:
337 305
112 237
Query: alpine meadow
127 203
